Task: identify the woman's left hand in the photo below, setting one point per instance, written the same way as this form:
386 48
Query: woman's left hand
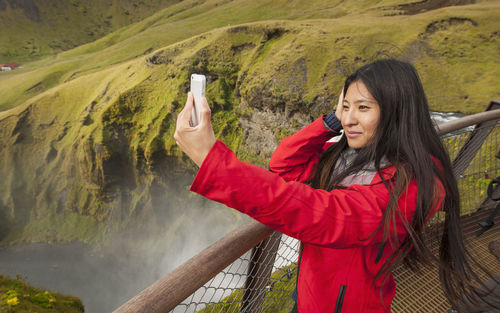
340 105
196 141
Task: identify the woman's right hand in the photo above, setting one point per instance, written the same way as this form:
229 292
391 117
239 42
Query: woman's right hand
196 141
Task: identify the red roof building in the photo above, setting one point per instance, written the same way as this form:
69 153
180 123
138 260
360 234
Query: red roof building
12 65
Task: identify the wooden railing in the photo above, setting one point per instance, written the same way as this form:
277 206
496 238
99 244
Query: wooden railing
176 286
164 295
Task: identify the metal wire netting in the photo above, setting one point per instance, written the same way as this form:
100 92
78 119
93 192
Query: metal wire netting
224 293
273 285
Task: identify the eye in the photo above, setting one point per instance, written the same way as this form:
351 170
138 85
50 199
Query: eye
364 107
345 107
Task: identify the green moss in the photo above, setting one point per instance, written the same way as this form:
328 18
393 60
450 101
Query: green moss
156 146
18 297
250 157
122 112
282 133
226 128
232 303
44 299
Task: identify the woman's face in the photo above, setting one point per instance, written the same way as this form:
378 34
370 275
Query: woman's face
360 115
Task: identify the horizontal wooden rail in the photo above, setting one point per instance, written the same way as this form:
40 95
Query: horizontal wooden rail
469 120
164 295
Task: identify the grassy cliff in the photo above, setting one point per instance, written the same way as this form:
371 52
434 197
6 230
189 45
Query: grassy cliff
86 145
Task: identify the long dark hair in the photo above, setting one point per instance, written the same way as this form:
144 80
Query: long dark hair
405 136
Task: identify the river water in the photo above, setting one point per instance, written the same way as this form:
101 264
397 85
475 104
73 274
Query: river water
102 282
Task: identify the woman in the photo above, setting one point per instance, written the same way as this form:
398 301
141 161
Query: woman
354 204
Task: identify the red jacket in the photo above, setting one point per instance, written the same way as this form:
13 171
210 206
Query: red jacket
337 267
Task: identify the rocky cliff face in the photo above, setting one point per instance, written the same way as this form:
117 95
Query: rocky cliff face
95 156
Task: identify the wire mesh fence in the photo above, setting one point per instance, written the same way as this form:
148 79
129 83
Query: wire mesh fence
416 291
224 293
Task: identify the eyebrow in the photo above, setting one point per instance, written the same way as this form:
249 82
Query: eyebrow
361 101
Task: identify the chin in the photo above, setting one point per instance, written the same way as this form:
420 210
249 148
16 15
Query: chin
354 145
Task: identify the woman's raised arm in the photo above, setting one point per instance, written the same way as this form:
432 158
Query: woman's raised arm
297 155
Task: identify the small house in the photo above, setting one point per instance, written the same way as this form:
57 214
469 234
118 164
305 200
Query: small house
12 65
5 68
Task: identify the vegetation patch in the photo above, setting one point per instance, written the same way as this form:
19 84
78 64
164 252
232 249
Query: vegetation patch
17 296
446 24
281 285
428 5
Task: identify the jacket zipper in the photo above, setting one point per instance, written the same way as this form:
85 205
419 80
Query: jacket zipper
340 299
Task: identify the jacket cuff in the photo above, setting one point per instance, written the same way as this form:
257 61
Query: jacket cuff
202 181
331 122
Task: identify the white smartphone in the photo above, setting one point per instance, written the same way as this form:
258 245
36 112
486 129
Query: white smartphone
198 83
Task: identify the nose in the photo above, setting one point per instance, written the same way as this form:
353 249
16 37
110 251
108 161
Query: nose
349 117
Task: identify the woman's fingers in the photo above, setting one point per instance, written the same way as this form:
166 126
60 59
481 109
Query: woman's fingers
338 110
341 97
205 112
185 115
183 119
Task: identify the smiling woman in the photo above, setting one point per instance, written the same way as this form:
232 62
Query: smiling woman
359 115
359 206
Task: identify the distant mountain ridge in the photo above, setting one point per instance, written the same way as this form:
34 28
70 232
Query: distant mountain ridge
30 29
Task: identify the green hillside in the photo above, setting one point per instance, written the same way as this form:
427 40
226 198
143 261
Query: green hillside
32 29
189 18
86 146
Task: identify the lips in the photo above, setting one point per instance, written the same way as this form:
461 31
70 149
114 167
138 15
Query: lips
352 134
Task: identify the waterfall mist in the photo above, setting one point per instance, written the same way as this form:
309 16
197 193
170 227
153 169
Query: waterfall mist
106 277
